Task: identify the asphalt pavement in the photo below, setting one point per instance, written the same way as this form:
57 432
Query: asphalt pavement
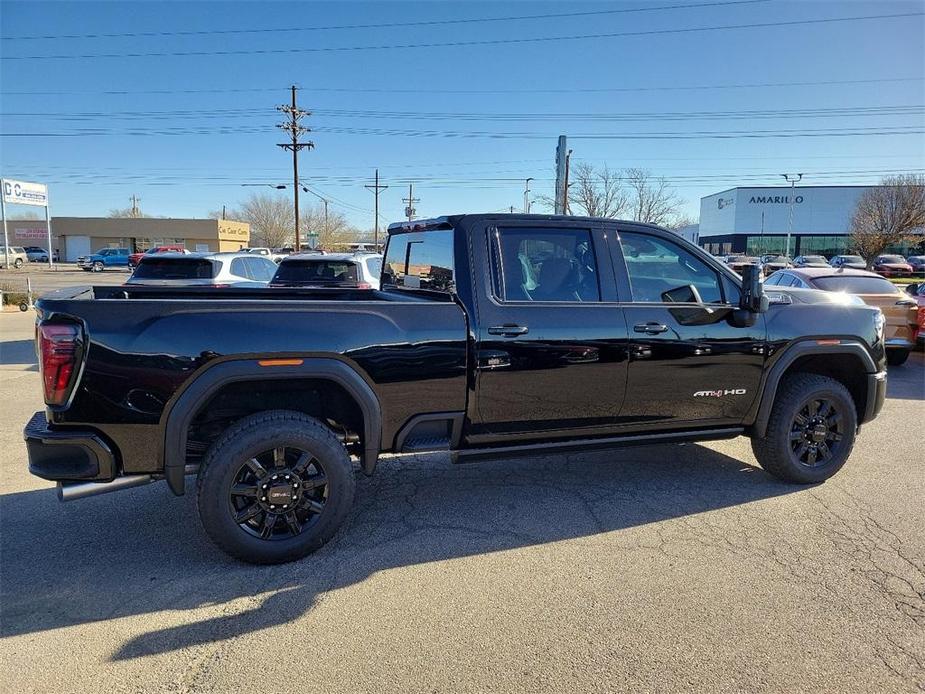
61 275
666 568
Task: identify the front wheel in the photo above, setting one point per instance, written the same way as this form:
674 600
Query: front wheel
97 266
275 487
17 263
811 430
897 357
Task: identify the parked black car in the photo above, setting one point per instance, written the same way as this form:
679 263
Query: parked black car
492 336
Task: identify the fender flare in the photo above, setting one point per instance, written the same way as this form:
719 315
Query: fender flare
785 361
203 386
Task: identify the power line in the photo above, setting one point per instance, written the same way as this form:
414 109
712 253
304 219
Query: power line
423 90
841 111
384 25
459 44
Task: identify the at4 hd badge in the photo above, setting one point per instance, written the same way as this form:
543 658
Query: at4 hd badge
719 393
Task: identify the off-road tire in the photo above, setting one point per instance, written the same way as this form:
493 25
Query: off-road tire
249 437
774 450
896 357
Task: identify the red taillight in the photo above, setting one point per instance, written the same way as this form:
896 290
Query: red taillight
58 344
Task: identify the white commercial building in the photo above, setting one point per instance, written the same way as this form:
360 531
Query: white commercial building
756 220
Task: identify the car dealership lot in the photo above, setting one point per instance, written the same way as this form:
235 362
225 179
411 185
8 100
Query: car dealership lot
664 568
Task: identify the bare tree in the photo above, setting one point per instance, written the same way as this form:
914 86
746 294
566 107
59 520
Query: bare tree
333 231
127 213
679 221
651 198
270 217
596 192
888 215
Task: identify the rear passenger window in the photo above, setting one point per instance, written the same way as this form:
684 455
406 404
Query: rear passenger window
662 271
260 269
420 260
238 268
546 265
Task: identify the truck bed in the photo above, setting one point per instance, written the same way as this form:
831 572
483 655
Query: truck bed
146 343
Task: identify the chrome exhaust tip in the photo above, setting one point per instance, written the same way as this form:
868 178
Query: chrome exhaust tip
72 491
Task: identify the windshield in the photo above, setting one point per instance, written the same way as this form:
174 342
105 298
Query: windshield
316 272
856 284
813 259
165 268
892 259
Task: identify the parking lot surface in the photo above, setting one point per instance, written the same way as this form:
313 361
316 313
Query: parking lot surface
45 279
667 568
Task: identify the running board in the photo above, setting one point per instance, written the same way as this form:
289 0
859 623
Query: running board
471 455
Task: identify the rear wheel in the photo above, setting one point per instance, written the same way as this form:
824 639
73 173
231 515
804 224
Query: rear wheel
810 432
275 487
17 263
897 357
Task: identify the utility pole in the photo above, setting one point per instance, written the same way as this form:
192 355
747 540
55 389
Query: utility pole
409 209
376 188
527 196
568 158
512 209
135 209
295 130
792 180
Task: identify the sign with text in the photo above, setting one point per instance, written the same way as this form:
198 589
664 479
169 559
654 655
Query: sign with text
24 193
33 233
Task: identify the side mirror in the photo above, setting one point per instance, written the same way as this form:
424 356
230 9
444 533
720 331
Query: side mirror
753 298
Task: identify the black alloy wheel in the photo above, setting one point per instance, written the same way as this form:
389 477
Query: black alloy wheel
816 432
279 493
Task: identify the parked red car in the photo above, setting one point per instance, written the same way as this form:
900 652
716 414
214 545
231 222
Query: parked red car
892 266
135 258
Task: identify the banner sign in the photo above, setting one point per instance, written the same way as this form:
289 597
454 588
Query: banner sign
24 193
34 233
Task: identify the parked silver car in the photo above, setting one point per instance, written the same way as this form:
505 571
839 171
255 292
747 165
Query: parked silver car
203 270
17 255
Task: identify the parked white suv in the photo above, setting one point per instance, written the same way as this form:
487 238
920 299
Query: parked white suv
352 270
203 269
17 255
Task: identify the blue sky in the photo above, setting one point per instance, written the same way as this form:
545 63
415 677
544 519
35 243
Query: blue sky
424 114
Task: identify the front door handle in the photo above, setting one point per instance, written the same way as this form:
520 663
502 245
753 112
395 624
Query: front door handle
650 328
508 330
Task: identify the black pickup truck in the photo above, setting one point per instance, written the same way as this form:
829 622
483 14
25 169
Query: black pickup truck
491 336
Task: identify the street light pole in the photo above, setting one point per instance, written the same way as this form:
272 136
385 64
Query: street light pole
792 179
527 196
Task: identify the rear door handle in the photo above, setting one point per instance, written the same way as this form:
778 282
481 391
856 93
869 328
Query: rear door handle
650 328
509 330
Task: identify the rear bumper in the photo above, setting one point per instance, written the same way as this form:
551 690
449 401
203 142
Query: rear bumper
67 454
876 394
899 343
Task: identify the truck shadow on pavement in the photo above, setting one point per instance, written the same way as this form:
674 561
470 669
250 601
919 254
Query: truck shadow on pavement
141 552
18 353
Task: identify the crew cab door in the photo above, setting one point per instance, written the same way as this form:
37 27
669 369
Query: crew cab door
689 365
551 340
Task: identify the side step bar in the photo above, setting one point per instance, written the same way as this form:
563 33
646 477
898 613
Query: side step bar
72 491
470 455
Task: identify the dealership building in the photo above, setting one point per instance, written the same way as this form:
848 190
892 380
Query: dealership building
755 221
76 236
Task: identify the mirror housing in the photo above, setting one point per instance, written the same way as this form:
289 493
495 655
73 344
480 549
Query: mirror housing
753 298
